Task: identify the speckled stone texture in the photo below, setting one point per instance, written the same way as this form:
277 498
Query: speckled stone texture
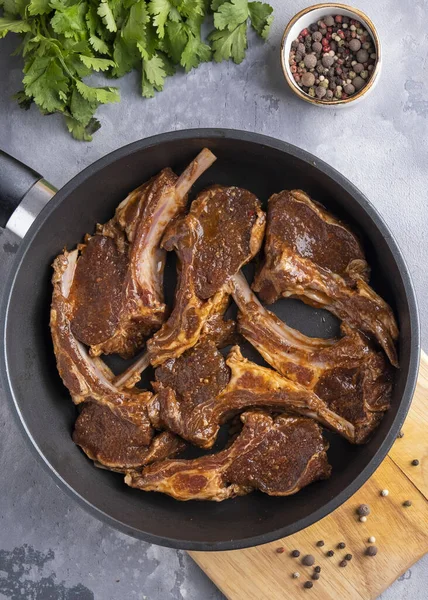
50 548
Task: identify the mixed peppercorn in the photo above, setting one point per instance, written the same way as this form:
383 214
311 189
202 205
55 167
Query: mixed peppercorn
333 59
308 560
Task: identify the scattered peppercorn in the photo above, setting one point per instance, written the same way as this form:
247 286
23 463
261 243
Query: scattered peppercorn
336 50
330 553
415 462
317 569
320 543
308 560
407 503
372 539
296 575
363 510
343 563
348 557
341 545
363 519
400 435
308 585
295 554
384 493
371 551
280 550
315 576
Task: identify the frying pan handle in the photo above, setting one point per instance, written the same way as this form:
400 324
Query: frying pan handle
23 194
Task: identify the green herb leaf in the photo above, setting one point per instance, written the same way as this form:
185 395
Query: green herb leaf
154 71
82 132
126 57
215 4
15 26
106 14
194 53
97 64
13 8
103 95
64 41
99 45
230 44
135 26
39 7
46 83
23 100
76 66
188 8
160 10
81 108
176 39
261 17
231 14
69 20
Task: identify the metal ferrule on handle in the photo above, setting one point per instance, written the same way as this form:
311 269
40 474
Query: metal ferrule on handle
30 206
23 194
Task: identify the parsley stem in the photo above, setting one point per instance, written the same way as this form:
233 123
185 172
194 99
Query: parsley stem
57 51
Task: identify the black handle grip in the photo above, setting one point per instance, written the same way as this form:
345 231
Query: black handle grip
15 181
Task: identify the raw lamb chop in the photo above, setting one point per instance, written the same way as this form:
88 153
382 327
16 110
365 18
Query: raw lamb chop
347 373
117 443
117 289
249 386
312 256
197 376
89 380
223 231
216 330
277 456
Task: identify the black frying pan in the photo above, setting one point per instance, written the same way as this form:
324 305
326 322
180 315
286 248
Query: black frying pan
46 413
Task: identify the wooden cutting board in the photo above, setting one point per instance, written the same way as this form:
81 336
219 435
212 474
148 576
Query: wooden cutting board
401 533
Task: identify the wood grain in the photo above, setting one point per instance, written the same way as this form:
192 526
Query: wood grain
401 533
414 444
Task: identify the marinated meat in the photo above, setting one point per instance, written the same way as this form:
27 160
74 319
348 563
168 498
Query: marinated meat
278 456
253 386
197 376
117 443
223 231
353 379
88 379
216 329
118 285
312 256
108 298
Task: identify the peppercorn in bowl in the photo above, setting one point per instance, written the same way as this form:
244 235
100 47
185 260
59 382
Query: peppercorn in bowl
331 55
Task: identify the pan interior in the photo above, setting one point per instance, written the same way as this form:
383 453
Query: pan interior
45 406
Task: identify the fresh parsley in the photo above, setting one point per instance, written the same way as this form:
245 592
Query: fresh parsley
64 41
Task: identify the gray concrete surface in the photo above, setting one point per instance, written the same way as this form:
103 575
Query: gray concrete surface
49 548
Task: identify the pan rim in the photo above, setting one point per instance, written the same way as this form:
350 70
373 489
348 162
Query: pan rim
376 218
